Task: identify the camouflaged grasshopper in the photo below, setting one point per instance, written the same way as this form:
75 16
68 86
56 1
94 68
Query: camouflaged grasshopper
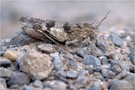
59 32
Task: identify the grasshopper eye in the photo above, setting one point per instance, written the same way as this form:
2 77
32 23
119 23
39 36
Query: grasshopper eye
50 24
67 27
37 26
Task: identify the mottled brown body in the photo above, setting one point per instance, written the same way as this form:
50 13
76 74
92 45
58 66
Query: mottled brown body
58 32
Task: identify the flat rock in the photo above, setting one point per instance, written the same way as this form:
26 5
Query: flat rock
56 60
120 85
116 69
38 84
91 60
4 62
131 79
107 73
46 48
96 86
5 73
101 44
19 78
10 55
71 74
3 82
116 39
36 65
56 85
21 39
83 51
31 88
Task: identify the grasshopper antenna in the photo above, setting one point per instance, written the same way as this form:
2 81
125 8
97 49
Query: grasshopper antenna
103 18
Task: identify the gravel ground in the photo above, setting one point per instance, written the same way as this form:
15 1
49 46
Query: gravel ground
107 64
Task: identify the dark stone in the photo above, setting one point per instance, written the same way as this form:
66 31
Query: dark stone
50 24
21 39
67 27
116 39
132 68
2 53
19 78
4 62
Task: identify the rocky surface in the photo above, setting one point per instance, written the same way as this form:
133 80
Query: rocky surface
107 63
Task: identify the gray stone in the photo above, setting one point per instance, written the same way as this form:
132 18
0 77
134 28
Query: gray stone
19 78
55 85
82 51
61 73
120 85
104 60
132 55
4 62
31 88
38 84
90 69
97 69
131 79
101 44
107 73
91 60
71 74
21 39
46 48
116 39
96 86
37 65
2 87
122 74
15 87
72 64
116 69
3 82
5 73
132 68
56 60
2 53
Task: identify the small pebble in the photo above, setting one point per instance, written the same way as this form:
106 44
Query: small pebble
10 55
5 73
92 60
71 74
116 39
19 78
38 84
